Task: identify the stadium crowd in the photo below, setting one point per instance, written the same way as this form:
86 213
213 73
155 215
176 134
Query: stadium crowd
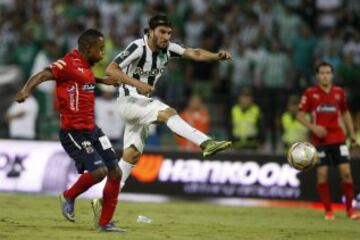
253 99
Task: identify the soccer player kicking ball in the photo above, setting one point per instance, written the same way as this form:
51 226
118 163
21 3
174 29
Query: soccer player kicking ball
327 103
85 143
137 69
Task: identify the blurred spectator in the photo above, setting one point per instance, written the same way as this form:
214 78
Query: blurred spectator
247 124
23 55
257 55
22 119
126 16
107 116
249 30
74 9
328 16
10 81
199 6
212 34
193 29
48 54
241 74
35 27
330 39
288 26
352 47
266 18
274 74
197 115
108 11
292 130
349 73
275 68
333 57
302 55
204 75
307 11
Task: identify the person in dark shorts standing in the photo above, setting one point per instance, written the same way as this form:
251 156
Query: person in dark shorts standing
327 105
85 143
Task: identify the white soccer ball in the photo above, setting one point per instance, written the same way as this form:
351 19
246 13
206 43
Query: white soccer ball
302 156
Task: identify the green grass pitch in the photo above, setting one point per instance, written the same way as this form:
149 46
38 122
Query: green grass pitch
28 217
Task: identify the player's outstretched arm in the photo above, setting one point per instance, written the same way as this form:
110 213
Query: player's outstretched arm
107 81
202 55
44 75
114 71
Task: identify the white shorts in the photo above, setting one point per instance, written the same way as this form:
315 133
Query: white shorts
138 112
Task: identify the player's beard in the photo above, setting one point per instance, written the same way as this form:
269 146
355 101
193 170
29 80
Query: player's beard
158 44
162 47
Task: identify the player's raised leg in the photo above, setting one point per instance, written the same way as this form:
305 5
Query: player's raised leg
183 129
84 182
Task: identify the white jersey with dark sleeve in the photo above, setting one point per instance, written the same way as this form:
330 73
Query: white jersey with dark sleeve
139 62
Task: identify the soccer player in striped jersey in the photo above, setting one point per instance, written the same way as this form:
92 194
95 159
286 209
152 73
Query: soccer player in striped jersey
137 69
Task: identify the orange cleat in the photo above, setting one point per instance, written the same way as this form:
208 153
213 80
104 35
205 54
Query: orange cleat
353 215
329 216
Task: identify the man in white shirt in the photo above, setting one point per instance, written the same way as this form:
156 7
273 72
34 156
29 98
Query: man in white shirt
22 119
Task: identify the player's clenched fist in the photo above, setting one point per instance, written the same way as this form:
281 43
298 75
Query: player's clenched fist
143 88
224 55
319 131
21 96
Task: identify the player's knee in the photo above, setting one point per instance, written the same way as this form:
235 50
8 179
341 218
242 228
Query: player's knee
346 177
322 178
131 155
115 174
135 156
171 112
164 115
100 173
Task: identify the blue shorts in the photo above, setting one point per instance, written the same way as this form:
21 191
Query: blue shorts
89 149
333 154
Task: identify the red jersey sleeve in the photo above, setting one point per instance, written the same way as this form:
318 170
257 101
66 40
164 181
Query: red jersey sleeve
343 102
305 102
59 69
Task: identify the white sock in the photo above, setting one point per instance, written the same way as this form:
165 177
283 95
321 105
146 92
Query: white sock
182 128
126 170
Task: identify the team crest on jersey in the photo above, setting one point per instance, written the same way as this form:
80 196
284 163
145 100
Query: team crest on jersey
315 95
124 54
337 97
87 146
